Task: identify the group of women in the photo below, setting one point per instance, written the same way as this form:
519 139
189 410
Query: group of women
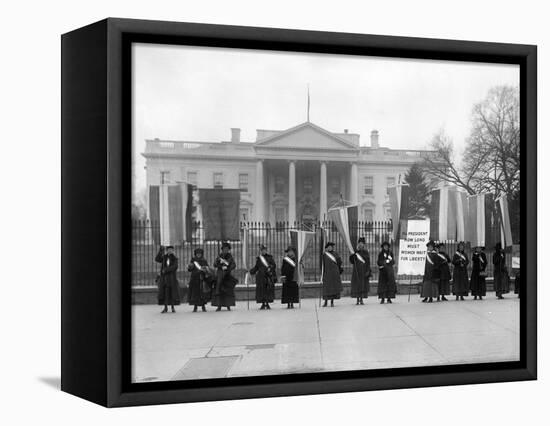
216 284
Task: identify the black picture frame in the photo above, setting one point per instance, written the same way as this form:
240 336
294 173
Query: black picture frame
96 179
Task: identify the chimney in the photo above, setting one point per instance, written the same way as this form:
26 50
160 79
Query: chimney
235 134
374 139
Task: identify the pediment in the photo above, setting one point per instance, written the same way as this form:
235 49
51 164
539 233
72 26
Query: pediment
306 136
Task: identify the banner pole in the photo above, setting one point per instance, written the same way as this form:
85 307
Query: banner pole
247 295
410 284
300 286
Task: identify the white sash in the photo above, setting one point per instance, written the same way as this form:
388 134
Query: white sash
225 262
264 261
388 257
442 257
289 261
197 265
461 255
360 258
481 259
428 258
167 261
331 257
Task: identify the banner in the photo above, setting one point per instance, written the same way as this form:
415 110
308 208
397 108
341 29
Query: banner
482 221
504 221
300 240
461 215
220 213
412 247
170 206
444 214
399 206
345 220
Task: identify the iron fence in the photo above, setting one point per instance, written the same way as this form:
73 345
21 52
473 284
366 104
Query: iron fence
276 237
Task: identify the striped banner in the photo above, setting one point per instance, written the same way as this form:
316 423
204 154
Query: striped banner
443 214
345 219
503 214
399 206
300 240
481 220
170 206
461 215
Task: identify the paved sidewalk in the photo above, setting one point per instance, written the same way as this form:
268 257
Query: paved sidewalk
188 345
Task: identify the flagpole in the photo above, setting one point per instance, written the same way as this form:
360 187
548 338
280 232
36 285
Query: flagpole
410 284
246 278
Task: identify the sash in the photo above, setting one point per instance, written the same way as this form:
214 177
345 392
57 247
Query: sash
429 259
442 257
331 257
197 265
264 261
388 257
481 260
167 261
360 258
289 261
461 256
222 260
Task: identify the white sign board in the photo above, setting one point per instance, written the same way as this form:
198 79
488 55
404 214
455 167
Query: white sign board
412 247
515 262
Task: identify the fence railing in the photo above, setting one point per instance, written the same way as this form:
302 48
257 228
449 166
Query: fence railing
276 237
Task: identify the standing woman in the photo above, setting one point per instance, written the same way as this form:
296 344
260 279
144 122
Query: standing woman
290 294
266 278
502 280
168 286
460 272
477 280
224 293
360 284
200 281
444 274
332 268
386 275
432 274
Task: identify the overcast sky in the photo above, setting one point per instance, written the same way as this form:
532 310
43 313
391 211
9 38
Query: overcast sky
198 94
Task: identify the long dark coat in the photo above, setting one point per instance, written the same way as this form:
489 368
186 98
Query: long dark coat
168 285
200 282
478 286
460 274
266 277
332 282
502 280
386 276
360 284
224 292
444 288
290 286
517 285
432 275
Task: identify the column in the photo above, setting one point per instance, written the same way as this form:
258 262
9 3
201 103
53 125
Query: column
353 184
291 192
259 202
323 193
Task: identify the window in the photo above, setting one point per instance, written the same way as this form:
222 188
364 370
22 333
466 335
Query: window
243 182
368 215
368 184
192 179
308 186
164 177
244 214
218 180
335 186
279 184
390 181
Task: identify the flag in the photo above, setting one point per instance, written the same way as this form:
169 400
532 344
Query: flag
482 220
345 220
503 215
300 240
170 206
461 215
399 206
220 213
443 214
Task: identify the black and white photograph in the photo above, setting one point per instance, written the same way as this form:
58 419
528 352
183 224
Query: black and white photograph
298 212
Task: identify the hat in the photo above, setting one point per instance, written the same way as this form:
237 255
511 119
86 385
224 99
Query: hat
198 250
290 248
226 244
440 245
498 245
169 247
263 247
430 243
385 243
481 247
361 240
327 245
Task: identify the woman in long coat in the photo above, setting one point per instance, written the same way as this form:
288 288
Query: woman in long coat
478 286
460 272
200 282
332 268
224 293
266 277
502 280
361 273
386 275
432 274
290 294
444 274
168 285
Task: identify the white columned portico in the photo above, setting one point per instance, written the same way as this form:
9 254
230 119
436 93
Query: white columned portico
353 184
291 192
323 192
259 204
